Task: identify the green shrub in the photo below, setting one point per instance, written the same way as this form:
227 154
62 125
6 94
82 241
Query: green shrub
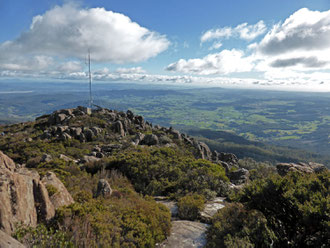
296 207
166 171
189 206
234 226
126 222
52 190
42 237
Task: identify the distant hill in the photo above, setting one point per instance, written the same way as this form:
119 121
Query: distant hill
259 151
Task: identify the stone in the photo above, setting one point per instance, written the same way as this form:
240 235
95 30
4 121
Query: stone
6 241
171 205
46 158
59 118
89 159
229 158
88 134
82 138
239 176
175 133
76 131
64 137
61 129
103 189
150 140
130 114
119 128
6 162
157 127
211 208
45 208
24 199
203 149
62 197
285 168
164 140
138 138
186 234
96 130
65 158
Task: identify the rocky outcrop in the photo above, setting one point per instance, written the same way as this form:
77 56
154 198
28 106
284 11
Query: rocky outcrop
239 176
23 199
211 208
285 168
61 197
6 162
186 234
150 140
103 189
6 241
23 196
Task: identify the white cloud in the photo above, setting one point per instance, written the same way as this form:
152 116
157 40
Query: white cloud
243 31
224 62
301 42
68 32
303 30
131 70
215 45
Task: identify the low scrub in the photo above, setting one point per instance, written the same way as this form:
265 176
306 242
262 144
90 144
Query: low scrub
190 206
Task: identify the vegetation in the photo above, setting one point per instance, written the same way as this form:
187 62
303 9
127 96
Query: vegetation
235 226
190 206
290 211
169 171
42 237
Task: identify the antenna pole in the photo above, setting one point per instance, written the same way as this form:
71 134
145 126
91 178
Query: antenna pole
90 79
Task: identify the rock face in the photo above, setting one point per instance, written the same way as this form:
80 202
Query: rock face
211 208
150 140
62 197
239 176
6 162
186 234
103 188
23 196
284 168
6 241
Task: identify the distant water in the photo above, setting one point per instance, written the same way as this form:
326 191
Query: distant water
16 92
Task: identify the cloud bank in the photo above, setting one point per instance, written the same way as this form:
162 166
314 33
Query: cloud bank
242 31
295 50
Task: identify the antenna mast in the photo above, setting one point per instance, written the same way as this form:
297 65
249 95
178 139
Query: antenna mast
90 79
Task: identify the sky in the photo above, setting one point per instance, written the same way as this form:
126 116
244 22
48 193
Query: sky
262 44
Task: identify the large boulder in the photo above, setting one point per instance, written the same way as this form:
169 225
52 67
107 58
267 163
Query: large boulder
186 234
103 188
150 140
6 162
61 197
285 168
119 128
239 176
24 199
6 241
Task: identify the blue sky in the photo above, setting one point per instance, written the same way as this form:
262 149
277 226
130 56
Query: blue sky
257 43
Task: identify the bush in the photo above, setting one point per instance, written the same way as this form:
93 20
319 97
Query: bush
296 207
234 226
52 190
166 171
42 237
125 222
189 206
